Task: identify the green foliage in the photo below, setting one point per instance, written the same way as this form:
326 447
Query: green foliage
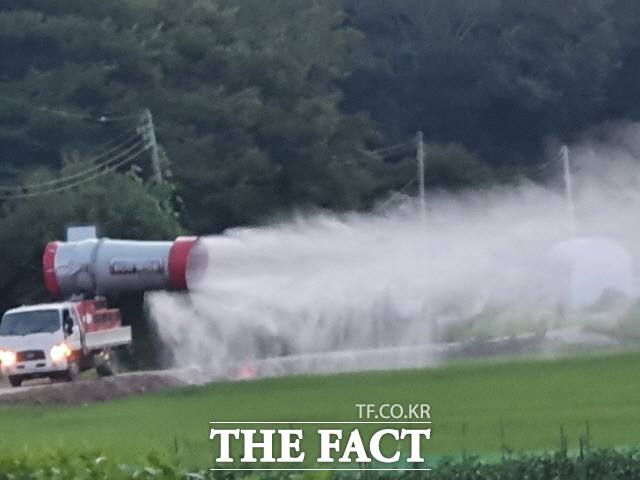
80 463
599 464
244 94
498 76
451 166
259 104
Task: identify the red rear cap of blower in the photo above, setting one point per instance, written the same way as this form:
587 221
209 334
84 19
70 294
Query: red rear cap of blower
49 269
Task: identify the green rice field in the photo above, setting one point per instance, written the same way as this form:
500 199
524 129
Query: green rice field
476 407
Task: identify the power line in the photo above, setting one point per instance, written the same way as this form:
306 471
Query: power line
123 149
397 149
399 192
110 144
98 174
409 183
103 163
68 114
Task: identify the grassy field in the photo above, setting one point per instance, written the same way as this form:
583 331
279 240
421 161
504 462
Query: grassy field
477 407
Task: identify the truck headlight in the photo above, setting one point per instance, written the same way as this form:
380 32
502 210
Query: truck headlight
7 358
59 351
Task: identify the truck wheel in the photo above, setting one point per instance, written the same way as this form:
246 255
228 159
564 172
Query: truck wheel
72 372
109 365
15 380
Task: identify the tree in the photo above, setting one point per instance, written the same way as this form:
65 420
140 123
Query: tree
453 167
245 96
498 76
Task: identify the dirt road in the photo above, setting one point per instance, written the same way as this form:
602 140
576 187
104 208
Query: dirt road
89 390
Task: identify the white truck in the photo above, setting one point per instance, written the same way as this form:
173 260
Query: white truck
59 340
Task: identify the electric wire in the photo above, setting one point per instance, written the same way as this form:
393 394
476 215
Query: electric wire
117 152
123 138
399 192
98 174
409 183
117 148
397 149
98 166
67 114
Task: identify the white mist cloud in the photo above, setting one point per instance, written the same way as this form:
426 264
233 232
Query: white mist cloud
326 282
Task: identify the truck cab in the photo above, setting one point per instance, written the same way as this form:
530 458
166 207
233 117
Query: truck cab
59 340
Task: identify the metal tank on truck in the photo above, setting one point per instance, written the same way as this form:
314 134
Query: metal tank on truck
61 339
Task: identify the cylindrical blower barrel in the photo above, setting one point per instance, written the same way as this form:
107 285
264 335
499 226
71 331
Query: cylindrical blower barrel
105 266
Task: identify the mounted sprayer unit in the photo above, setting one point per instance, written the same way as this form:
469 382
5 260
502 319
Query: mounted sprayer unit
102 266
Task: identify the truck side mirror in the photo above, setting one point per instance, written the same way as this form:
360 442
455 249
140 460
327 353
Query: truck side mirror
67 323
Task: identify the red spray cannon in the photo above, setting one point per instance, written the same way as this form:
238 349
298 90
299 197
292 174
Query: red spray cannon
102 266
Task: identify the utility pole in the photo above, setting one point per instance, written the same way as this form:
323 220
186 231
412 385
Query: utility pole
150 135
568 187
420 159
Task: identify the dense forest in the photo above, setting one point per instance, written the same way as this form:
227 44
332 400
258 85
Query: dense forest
262 107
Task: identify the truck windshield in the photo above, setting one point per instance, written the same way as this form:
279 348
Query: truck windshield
25 323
